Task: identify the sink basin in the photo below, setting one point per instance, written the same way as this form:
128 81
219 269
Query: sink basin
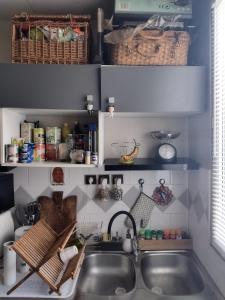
106 275
171 274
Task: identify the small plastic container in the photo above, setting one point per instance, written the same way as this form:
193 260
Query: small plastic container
159 234
148 234
153 234
166 234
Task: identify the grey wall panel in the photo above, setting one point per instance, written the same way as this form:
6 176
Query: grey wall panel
156 89
48 86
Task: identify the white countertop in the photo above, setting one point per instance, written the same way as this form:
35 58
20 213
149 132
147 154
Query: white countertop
34 287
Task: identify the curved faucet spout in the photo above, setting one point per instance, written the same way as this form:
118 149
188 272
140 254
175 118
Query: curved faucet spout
122 212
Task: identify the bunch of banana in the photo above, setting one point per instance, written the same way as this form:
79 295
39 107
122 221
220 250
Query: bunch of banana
129 158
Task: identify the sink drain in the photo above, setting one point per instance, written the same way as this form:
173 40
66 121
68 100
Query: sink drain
119 291
157 290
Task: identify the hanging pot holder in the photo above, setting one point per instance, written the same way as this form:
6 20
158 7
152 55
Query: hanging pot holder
162 195
142 208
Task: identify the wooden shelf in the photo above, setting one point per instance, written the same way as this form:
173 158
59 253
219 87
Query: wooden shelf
141 164
185 244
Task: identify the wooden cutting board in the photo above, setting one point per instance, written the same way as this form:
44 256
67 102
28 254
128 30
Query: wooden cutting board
58 212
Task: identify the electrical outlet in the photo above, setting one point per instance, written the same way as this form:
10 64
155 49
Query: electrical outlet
90 179
101 177
116 177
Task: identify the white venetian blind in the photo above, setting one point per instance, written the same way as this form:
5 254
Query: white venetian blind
218 163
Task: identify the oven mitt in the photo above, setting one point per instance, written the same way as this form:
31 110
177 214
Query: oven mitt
162 195
141 210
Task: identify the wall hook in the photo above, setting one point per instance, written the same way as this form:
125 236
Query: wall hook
141 183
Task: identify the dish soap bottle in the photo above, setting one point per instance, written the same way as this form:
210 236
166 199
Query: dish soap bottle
127 243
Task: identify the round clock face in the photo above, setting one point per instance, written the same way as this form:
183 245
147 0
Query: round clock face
166 151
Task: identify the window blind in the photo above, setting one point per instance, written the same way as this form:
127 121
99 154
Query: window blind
218 153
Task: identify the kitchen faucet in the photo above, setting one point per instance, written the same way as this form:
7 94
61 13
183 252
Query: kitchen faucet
135 239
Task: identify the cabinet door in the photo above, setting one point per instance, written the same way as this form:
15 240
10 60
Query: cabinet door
154 89
48 86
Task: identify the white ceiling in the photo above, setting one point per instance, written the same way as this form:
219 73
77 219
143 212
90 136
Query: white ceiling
10 7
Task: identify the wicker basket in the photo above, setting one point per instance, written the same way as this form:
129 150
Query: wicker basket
31 45
152 47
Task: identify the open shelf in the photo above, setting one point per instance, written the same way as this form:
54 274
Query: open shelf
141 164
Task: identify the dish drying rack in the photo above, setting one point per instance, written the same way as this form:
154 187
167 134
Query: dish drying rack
40 248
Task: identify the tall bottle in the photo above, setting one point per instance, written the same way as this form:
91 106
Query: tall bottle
65 131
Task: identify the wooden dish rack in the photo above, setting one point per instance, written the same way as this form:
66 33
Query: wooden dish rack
40 248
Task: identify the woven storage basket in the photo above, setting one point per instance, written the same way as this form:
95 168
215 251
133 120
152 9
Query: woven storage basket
152 47
30 45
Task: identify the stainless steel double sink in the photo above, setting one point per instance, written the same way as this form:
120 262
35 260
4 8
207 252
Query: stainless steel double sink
155 275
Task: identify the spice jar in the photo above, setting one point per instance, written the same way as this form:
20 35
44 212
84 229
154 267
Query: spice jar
148 235
172 234
166 234
153 234
159 235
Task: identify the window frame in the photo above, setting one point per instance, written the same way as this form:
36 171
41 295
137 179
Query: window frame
215 3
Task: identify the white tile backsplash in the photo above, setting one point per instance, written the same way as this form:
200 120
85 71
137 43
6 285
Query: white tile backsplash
37 181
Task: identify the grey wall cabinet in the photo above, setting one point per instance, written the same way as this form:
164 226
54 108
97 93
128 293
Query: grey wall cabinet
154 89
49 86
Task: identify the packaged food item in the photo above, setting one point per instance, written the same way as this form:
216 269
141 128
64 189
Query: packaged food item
39 135
26 153
39 152
11 153
53 135
52 152
94 158
65 131
26 132
87 157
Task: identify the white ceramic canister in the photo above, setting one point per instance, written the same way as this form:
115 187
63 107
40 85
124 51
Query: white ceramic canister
21 265
9 264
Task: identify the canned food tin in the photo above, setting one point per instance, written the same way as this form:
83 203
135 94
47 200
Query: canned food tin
39 152
52 152
11 153
26 132
94 158
53 135
39 135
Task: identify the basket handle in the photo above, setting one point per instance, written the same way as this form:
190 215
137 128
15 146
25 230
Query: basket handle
153 53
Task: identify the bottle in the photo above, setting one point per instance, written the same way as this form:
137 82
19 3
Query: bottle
65 131
141 233
87 157
76 128
127 242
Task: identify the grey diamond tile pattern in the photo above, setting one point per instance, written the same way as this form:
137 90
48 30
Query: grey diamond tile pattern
199 207
82 197
184 198
47 192
131 196
105 204
22 196
207 212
